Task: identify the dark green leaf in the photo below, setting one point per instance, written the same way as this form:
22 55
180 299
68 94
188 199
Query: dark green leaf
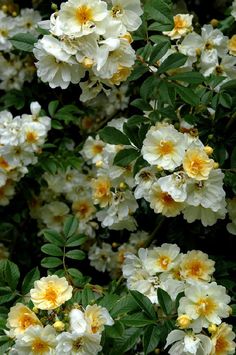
141 105
87 296
233 159
159 51
225 100
147 87
137 72
70 226
188 95
75 254
139 164
24 41
54 237
9 273
29 279
175 60
165 301
52 107
144 303
137 320
161 12
151 338
51 262
124 305
75 273
115 331
188 77
127 341
76 240
52 249
112 135
125 157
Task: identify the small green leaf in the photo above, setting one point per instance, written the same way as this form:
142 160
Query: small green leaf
112 135
188 77
175 60
151 338
147 87
54 237
75 254
75 273
70 226
76 240
87 296
52 249
125 157
9 273
165 301
127 341
144 303
141 105
51 262
23 41
52 107
137 72
225 100
161 12
159 51
188 95
116 330
137 320
139 164
29 279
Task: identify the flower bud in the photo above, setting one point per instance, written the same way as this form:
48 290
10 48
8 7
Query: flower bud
208 149
183 321
59 326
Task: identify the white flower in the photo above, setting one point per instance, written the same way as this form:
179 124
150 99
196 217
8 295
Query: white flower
188 343
222 340
204 304
144 180
206 215
78 323
53 214
28 20
128 12
161 259
7 30
96 317
182 25
162 202
101 257
54 65
195 265
93 149
78 18
164 146
175 185
36 340
78 344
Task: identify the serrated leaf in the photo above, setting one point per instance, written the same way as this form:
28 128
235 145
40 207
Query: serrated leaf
51 262
175 60
159 51
75 273
127 341
137 320
75 254
54 237
125 157
151 338
52 249
29 279
76 240
165 301
144 303
23 41
112 135
161 12
188 95
147 87
52 107
188 77
70 226
9 273
87 296
116 330
124 305
137 72
6 295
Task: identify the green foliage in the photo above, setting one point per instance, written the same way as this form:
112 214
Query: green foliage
24 41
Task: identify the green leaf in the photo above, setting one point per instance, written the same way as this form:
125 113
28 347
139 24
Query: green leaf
87 296
115 331
159 51
161 12
76 240
56 124
141 105
165 301
112 135
233 159
52 249
137 320
6 295
148 86
175 60
127 341
225 100
139 164
23 41
125 157
75 254
54 237
167 93
229 85
144 303
49 165
137 72
188 95
13 98
51 262
124 305
132 134
151 338
70 226
135 120
75 273
188 77
29 279
52 107
9 273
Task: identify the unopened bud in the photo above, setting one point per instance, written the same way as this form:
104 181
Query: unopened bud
122 186
99 164
159 168
87 63
212 328
216 165
54 7
183 321
4 8
214 22
59 326
14 13
208 150
35 310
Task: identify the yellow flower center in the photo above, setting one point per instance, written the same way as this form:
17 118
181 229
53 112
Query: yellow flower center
179 23
164 261
165 147
221 346
84 14
166 198
205 306
4 164
209 45
121 75
97 149
77 344
194 268
39 346
51 294
26 320
116 11
31 137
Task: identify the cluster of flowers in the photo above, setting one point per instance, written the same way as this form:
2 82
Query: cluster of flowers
181 178
87 38
21 138
53 327
210 52
200 309
15 69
